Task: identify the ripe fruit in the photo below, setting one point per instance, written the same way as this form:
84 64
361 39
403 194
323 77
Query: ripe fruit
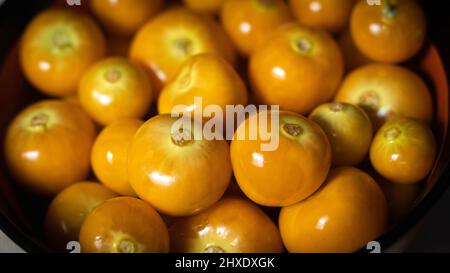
391 32
233 225
124 17
174 172
289 70
349 130
168 40
330 15
206 76
349 211
353 58
114 89
206 7
250 23
57 47
66 213
288 174
124 225
384 91
403 150
48 145
109 155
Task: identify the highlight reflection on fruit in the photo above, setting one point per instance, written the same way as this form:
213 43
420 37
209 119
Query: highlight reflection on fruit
51 137
251 22
289 70
289 174
165 163
57 47
403 150
232 225
349 211
110 153
69 208
124 225
114 89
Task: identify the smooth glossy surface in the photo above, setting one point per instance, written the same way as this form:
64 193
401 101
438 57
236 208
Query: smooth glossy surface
206 7
330 15
124 17
290 173
400 24
176 175
109 155
353 57
49 137
69 208
57 47
114 89
124 225
349 130
289 70
168 40
251 22
344 215
384 91
204 76
403 151
233 225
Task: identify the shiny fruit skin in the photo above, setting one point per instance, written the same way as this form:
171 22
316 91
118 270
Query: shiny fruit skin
124 17
403 151
233 225
206 76
289 70
384 91
48 145
109 155
69 208
115 89
344 215
205 7
124 225
167 41
290 173
353 58
388 35
178 177
249 23
348 129
329 15
57 47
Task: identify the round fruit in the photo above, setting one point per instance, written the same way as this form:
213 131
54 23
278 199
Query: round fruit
204 76
175 170
250 23
353 58
403 150
67 211
391 32
349 130
109 155
168 40
233 225
348 212
384 91
48 145
124 225
57 47
330 15
206 7
124 17
289 70
114 89
290 172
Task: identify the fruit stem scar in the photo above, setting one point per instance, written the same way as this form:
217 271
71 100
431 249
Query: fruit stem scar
389 10
336 107
39 120
184 46
181 137
61 40
214 249
112 75
392 133
369 99
126 246
301 45
292 129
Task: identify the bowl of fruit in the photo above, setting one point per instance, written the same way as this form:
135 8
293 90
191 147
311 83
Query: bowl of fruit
225 126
